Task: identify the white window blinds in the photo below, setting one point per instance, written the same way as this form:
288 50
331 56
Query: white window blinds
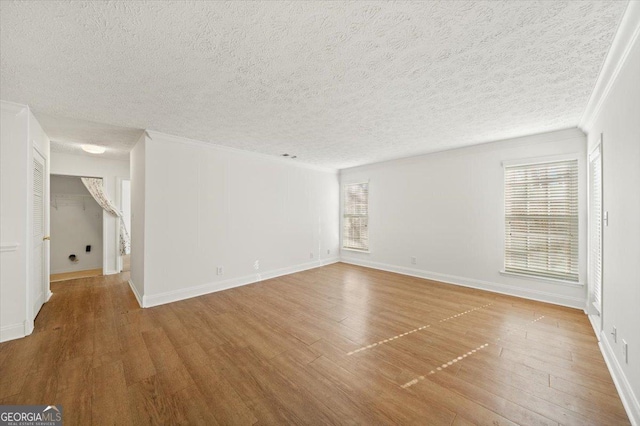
355 231
541 217
595 228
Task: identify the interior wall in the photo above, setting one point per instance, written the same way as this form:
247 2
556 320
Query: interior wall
110 171
618 120
20 133
447 210
76 222
252 215
137 230
13 219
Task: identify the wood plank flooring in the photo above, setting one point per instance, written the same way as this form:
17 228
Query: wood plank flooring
334 345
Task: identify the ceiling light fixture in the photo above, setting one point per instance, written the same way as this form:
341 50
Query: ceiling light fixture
94 149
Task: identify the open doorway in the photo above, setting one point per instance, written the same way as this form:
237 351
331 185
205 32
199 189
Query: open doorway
125 203
76 230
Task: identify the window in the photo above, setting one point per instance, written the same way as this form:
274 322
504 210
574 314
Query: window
595 228
541 218
355 226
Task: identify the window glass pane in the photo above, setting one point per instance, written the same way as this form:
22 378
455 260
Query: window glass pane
541 218
355 233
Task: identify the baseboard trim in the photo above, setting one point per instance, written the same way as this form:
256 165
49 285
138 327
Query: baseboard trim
28 327
595 320
627 396
135 293
40 300
541 296
149 301
12 332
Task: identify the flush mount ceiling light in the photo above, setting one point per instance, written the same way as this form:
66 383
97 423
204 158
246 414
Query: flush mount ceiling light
94 149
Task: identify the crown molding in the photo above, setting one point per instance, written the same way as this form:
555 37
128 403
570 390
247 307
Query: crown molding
155 135
13 107
625 38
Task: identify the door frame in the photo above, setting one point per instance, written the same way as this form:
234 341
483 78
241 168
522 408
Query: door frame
595 314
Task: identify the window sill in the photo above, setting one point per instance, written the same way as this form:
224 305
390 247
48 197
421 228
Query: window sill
543 279
355 250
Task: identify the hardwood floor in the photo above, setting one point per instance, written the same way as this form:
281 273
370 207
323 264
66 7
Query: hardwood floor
334 345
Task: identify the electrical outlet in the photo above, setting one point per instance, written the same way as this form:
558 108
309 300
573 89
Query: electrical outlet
256 265
328 251
413 260
614 333
625 351
219 270
310 255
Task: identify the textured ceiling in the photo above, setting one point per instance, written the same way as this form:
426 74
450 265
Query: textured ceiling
336 83
68 135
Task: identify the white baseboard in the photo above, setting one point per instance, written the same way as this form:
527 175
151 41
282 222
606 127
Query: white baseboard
627 396
135 293
28 327
79 269
199 290
39 302
541 296
12 332
595 323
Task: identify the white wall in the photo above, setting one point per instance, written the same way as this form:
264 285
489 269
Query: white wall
20 134
137 230
110 171
76 221
207 207
447 210
618 120
13 220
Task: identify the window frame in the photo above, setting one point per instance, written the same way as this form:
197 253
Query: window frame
342 214
581 222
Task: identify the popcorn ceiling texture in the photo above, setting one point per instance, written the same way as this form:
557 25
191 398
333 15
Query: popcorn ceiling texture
68 135
338 84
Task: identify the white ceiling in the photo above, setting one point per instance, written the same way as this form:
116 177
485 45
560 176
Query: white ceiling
68 135
336 83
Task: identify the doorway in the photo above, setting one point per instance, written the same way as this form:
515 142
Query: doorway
76 230
125 208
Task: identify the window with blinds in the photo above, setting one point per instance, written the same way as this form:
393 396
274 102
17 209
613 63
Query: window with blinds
355 231
595 228
541 217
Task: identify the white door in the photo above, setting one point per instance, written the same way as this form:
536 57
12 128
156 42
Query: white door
39 283
595 231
